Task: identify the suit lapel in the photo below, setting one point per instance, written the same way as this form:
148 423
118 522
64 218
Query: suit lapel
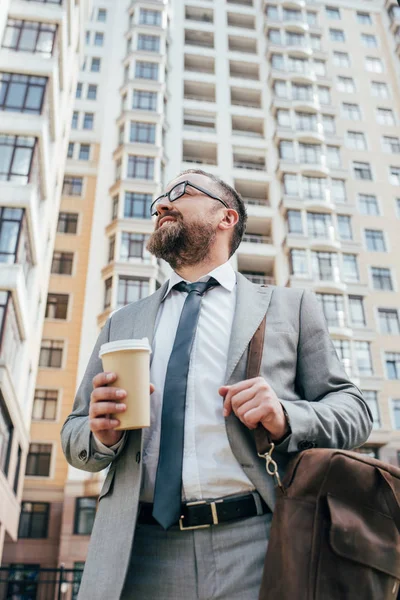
251 305
145 318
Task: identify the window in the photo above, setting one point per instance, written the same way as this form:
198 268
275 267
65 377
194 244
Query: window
313 187
142 132
290 186
311 18
17 471
115 203
336 35
368 204
363 358
398 207
394 175
333 157
325 266
379 89
95 64
149 17
356 309
332 13
333 308
396 415
338 191
324 95
385 116
16 156
133 246
88 121
141 167
344 227
319 225
292 15
272 12
146 70
78 92
375 240
341 59
277 62
149 43
107 292
75 118
298 65
10 336
30 36
364 18
302 92
283 118
131 289
391 144
84 152
294 221
350 267
320 67
45 405
298 263
102 15
369 41
98 38
38 461
57 306
14 240
70 152
91 92
381 278
294 39
34 520
6 435
286 150
274 36
305 121
392 365
22 93
342 348
137 205
346 84
389 320
356 140
373 65
62 263
315 42
351 111
67 222
51 352
362 170
85 512
87 38
72 186
144 100
310 153
111 248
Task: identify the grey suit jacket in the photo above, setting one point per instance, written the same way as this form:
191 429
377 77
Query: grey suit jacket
299 361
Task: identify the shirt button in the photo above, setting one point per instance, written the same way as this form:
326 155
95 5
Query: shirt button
82 455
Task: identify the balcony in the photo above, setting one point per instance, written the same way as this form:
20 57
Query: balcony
242 21
328 280
199 121
241 2
246 126
258 278
199 91
199 64
242 44
249 162
324 240
245 97
201 153
244 70
195 13
256 253
203 39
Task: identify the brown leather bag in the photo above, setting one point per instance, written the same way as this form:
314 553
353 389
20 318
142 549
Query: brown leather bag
335 527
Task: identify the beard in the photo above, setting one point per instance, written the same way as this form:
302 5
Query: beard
182 244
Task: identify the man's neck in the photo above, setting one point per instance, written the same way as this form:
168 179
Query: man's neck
194 272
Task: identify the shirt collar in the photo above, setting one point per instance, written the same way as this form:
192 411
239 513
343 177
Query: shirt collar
224 274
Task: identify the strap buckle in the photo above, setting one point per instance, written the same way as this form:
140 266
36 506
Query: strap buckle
213 513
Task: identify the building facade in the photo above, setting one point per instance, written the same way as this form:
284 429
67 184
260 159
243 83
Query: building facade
294 103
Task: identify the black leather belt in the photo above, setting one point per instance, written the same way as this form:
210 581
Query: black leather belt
204 513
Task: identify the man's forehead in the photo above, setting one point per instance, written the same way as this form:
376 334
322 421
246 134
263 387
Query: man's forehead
196 178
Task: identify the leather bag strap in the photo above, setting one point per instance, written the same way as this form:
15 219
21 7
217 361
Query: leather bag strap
390 497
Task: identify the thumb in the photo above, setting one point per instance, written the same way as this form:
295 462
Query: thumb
223 390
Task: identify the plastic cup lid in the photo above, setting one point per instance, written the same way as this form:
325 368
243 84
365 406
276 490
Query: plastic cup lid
142 344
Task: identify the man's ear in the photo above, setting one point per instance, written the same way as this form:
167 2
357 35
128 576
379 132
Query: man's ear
229 220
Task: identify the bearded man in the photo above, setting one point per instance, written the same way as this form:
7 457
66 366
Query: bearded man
186 506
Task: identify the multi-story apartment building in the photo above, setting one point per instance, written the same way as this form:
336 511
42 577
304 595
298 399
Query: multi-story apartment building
294 103
39 48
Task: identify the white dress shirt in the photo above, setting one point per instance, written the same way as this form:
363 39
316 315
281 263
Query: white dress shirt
210 470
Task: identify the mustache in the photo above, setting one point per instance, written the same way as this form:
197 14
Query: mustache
173 214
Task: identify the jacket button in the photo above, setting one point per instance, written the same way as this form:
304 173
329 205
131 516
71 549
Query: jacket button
306 445
138 457
82 455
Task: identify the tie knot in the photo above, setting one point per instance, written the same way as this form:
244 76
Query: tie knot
200 287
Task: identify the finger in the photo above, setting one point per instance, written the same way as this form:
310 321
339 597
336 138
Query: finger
103 379
105 408
100 424
243 397
152 388
241 411
246 383
253 416
108 393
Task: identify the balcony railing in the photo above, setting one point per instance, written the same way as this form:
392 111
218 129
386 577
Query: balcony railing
199 161
259 279
198 98
256 201
257 239
239 164
189 42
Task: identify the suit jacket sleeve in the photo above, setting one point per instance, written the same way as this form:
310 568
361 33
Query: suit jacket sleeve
76 437
333 413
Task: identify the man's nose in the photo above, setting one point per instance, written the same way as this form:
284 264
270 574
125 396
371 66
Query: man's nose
163 206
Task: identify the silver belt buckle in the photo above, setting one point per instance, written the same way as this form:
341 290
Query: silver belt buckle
213 513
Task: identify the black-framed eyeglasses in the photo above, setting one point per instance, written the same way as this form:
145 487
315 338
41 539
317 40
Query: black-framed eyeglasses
178 191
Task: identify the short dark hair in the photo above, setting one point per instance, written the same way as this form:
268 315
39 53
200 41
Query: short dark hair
234 200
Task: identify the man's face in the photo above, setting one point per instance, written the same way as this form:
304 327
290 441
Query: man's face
186 229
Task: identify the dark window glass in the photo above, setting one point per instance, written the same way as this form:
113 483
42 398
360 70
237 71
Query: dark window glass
62 263
30 36
78 572
344 227
84 152
137 205
16 156
356 306
98 38
389 321
149 17
67 222
142 132
393 365
375 240
22 93
146 70
295 224
133 246
88 121
149 43
38 461
17 471
34 520
92 91
115 203
107 292
10 336
57 306
102 15
131 289
51 352
45 405
381 278
78 93
144 100
95 65
111 249
333 309
23 581
72 186
141 167
6 434
85 512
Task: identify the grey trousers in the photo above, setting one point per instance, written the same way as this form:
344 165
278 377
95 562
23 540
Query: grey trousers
222 562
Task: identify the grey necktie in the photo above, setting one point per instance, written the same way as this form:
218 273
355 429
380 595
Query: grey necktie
168 487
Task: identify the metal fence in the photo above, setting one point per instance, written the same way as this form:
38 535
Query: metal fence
31 582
